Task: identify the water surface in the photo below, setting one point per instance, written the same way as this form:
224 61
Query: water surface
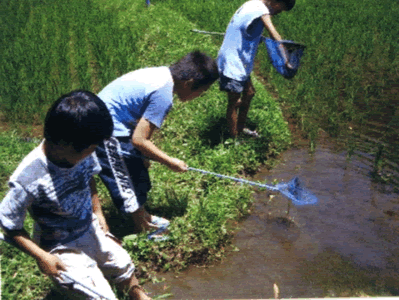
346 245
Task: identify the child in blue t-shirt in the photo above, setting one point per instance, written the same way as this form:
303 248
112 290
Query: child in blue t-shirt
237 54
139 102
54 182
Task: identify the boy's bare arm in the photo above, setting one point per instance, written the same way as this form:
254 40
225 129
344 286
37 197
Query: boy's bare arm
49 264
141 139
97 206
267 21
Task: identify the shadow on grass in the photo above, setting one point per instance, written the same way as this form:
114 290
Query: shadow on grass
53 295
217 131
118 224
173 205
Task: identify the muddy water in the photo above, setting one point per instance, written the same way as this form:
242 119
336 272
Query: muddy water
346 245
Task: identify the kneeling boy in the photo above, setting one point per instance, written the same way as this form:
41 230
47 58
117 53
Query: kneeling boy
55 184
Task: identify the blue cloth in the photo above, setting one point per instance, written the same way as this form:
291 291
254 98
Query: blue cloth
144 93
237 53
294 54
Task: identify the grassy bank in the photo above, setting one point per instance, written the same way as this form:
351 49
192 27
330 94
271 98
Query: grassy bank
51 48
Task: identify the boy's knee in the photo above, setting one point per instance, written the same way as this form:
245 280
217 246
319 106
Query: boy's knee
234 100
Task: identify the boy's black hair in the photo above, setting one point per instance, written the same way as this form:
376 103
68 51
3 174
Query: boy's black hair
198 66
80 119
289 4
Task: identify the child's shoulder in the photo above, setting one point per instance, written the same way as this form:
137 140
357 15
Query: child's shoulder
30 168
153 78
253 6
254 3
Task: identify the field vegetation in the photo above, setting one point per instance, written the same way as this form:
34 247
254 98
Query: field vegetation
349 74
49 48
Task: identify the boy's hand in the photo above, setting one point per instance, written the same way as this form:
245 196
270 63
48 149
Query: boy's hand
178 165
284 53
51 265
288 65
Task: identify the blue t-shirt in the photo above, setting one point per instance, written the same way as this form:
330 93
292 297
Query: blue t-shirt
58 199
144 93
237 54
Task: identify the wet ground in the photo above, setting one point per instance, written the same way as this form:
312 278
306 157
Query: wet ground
346 245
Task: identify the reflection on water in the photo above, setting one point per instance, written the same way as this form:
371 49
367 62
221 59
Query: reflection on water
346 245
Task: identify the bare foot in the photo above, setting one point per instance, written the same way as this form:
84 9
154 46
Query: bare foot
138 293
142 221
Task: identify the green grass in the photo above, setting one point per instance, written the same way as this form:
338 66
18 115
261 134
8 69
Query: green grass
350 65
48 56
49 48
59 47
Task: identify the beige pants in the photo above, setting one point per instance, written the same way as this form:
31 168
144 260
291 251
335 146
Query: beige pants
91 259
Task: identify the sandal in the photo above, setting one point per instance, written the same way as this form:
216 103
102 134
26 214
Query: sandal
159 221
158 235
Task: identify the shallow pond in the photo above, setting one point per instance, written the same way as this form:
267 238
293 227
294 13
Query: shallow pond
346 245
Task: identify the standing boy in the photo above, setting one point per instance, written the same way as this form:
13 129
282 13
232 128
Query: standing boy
55 184
139 102
236 56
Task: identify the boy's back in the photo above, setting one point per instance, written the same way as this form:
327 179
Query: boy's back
144 93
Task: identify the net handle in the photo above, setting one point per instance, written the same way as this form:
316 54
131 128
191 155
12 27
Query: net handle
282 188
269 187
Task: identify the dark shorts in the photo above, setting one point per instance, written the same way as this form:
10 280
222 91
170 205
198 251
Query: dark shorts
231 85
123 173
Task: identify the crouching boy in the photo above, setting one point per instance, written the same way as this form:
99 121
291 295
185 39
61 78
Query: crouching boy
55 184
139 102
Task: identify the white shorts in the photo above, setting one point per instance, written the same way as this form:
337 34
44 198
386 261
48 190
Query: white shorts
91 259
